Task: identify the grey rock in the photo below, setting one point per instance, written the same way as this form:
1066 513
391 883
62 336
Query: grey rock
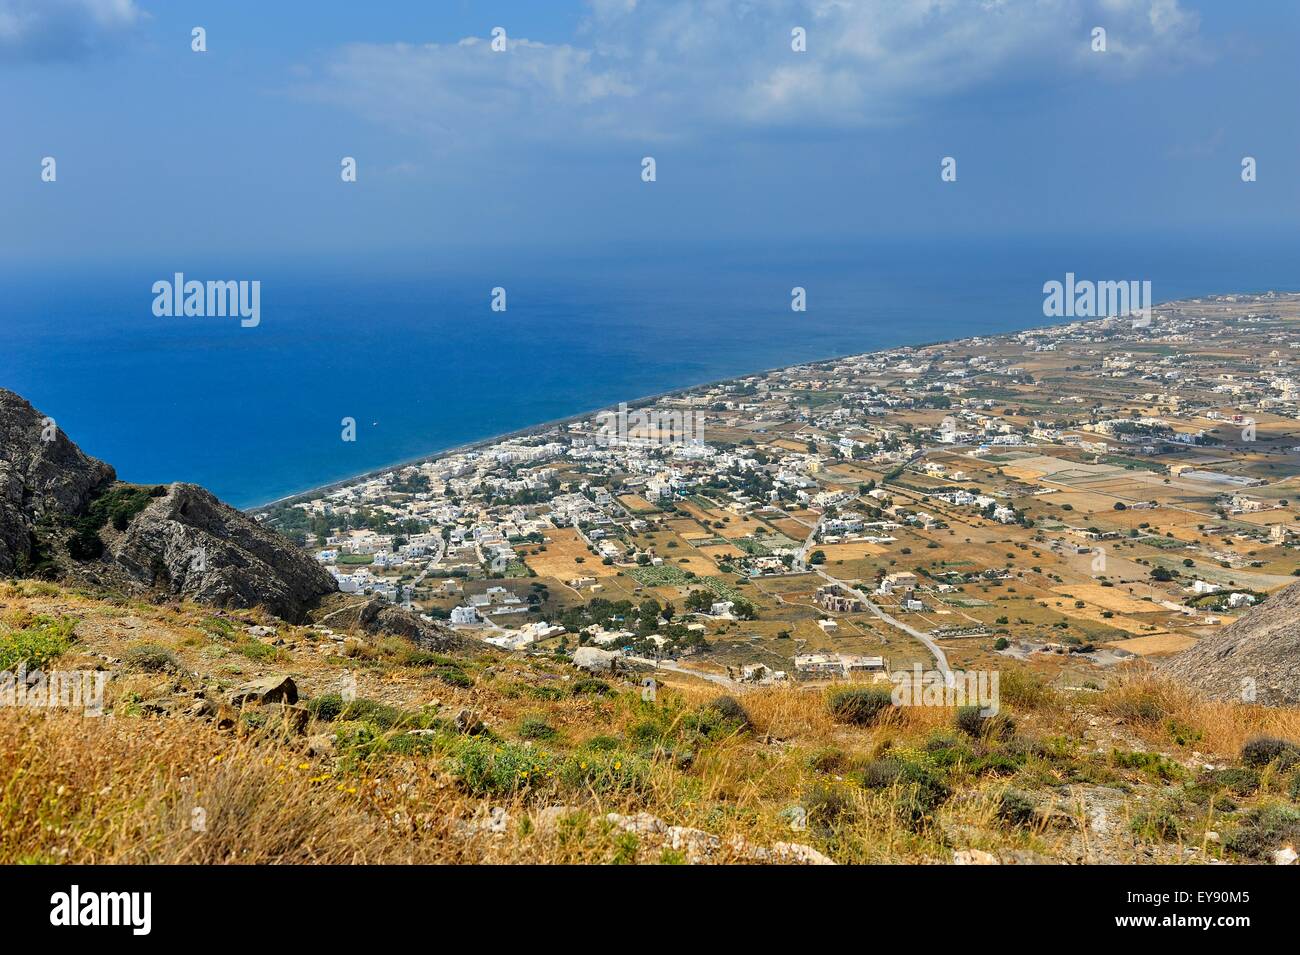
642 823
321 744
549 818
268 689
595 661
38 479
1258 654
469 724
185 543
189 544
375 616
974 857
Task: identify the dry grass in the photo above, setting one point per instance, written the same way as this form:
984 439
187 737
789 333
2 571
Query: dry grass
125 788
1152 705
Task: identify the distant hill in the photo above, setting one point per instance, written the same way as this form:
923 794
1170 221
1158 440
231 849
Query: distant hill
1261 650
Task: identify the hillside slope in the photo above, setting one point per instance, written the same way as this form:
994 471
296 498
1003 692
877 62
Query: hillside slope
230 736
1255 658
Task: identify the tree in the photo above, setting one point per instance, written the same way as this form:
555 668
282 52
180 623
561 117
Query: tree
699 600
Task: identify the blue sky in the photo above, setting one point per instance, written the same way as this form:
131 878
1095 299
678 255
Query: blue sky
164 153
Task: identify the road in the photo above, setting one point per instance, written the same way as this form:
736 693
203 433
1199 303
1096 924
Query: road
940 658
711 677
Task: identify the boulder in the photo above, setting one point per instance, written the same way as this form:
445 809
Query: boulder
268 689
595 661
188 544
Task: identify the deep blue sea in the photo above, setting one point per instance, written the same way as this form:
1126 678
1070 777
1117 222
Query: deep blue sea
412 351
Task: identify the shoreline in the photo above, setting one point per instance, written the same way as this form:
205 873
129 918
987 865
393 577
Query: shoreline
673 392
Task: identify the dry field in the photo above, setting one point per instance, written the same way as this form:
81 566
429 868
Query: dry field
564 547
1162 644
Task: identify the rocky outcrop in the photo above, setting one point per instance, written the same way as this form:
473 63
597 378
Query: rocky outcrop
64 514
1254 659
188 544
375 616
42 474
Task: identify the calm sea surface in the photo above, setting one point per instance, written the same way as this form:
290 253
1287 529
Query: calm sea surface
413 352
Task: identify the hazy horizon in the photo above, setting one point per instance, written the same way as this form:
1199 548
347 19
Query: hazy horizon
164 153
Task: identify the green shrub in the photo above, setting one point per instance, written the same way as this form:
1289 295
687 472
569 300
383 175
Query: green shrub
826 807
331 707
1155 765
256 650
604 773
729 708
592 687
1263 830
1015 807
1159 824
419 657
917 790
536 728
327 707
972 721
551 694
646 731
1263 750
828 759
118 506
151 657
861 706
218 627
453 675
1182 733
37 643
1238 780
85 543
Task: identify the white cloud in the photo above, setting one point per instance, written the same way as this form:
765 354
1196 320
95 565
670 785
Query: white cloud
641 69
453 93
61 29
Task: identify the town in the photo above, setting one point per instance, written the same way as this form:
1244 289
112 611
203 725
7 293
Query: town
1070 496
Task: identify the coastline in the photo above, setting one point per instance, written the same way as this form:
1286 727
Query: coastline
670 393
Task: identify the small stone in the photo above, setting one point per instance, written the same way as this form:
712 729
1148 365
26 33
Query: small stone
320 745
643 823
1285 856
696 843
799 854
549 818
467 723
974 857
